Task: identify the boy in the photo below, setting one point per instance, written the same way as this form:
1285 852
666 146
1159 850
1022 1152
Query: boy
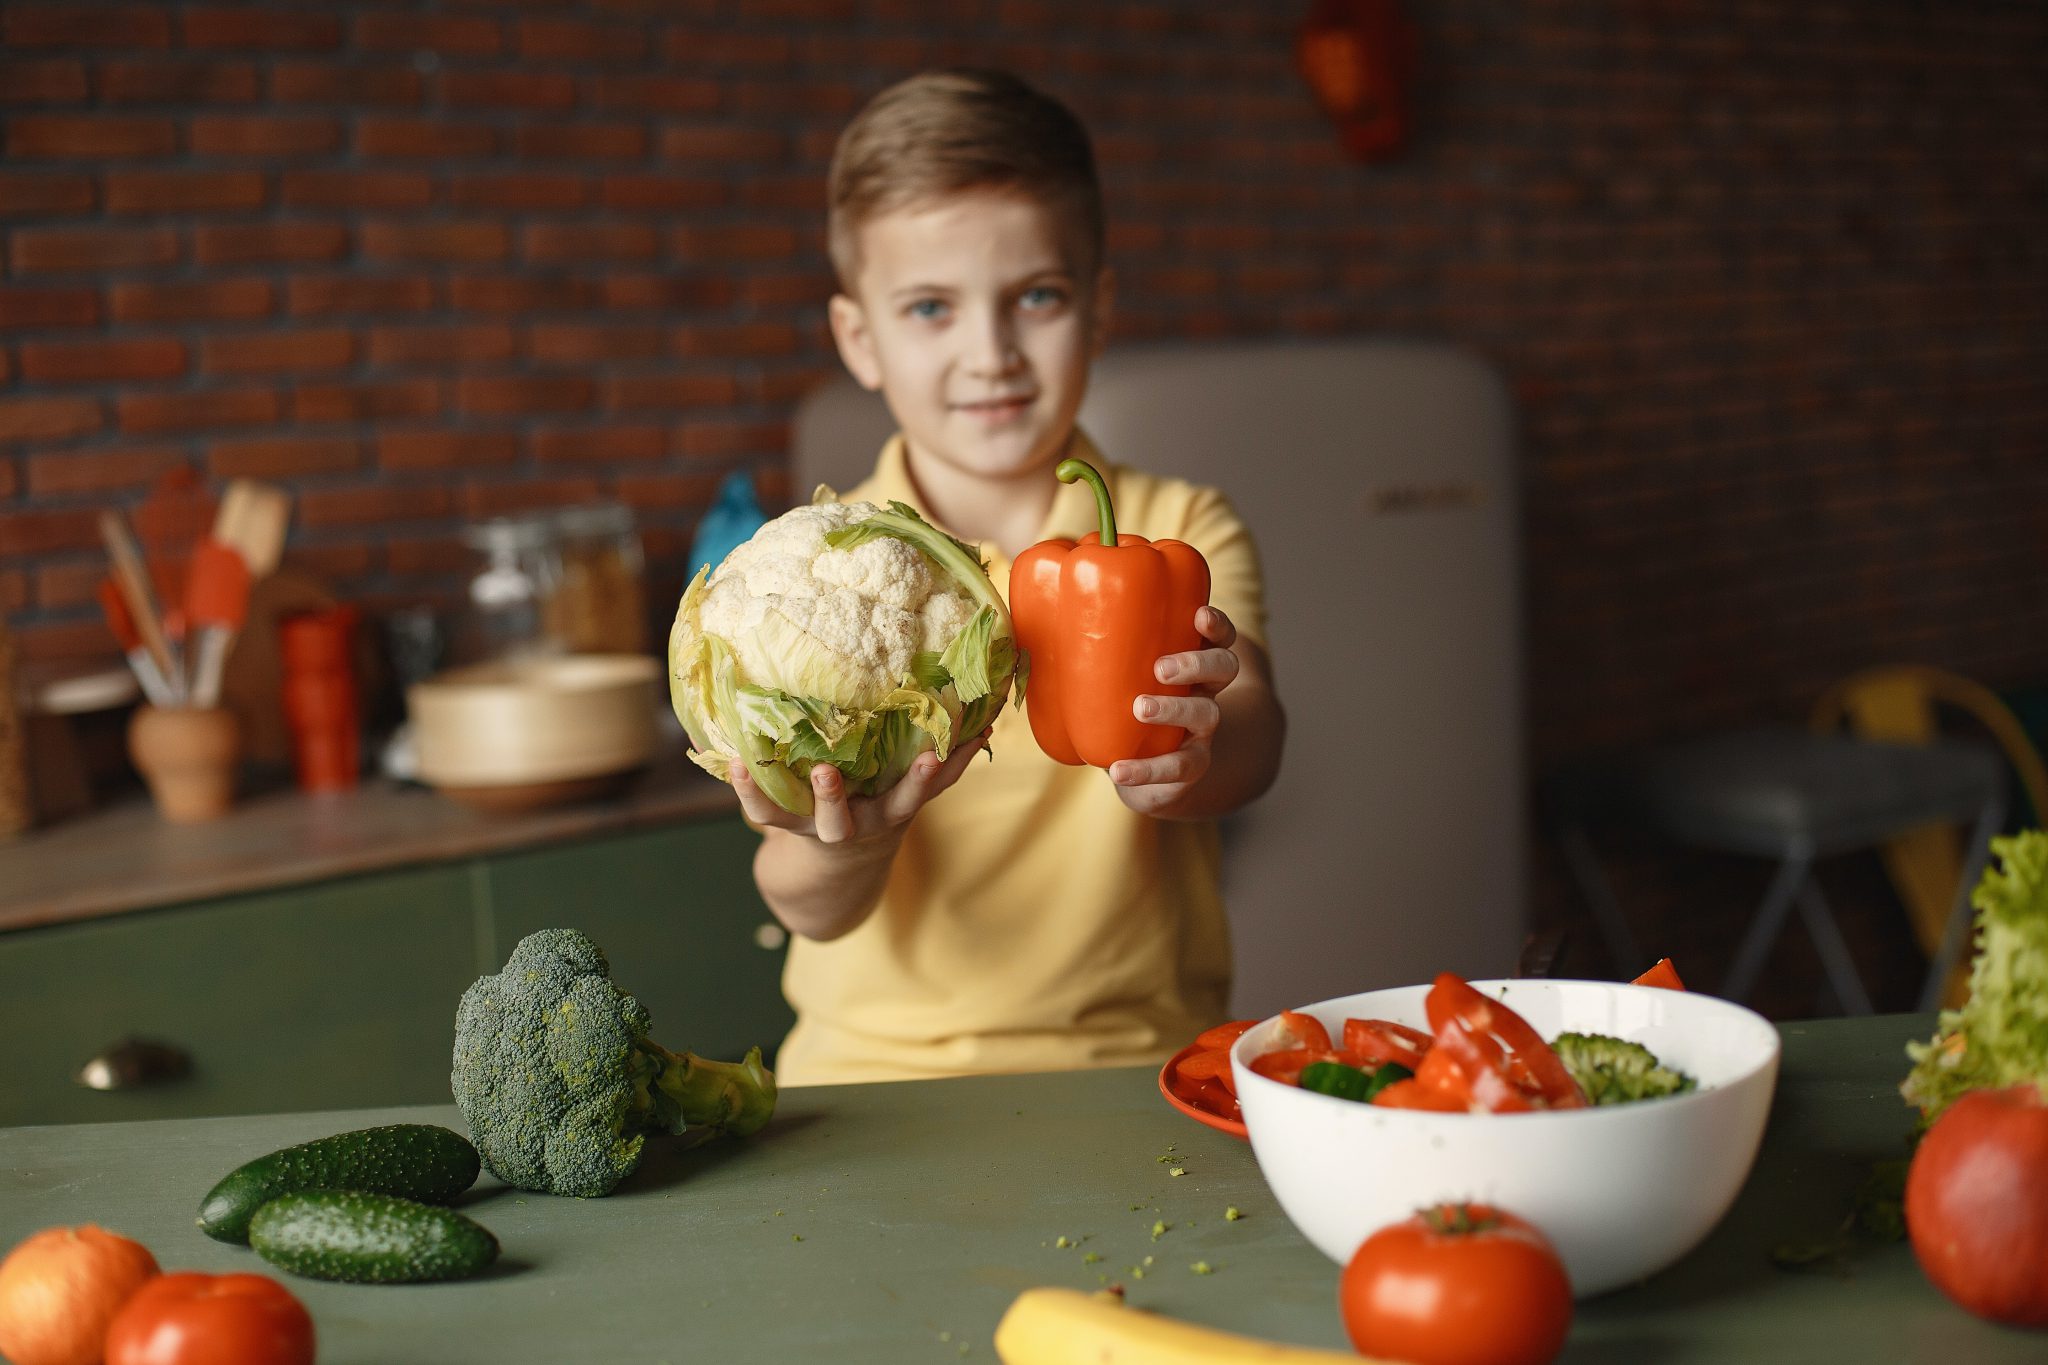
1042 916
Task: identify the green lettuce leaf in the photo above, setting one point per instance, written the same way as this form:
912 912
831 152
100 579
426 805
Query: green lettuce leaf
2000 1035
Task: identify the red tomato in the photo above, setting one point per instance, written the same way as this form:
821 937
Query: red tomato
1415 1094
1223 1035
1285 1065
1458 1284
1977 1204
1451 1000
194 1319
1383 1040
1303 1030
1663 975
1203 1066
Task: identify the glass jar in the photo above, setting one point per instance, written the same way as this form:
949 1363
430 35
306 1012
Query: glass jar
519 571
600 606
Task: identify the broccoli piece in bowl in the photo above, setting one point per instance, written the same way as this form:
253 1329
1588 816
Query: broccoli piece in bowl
1616 1071
560 1084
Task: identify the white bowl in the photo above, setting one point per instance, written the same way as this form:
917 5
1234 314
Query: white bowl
1621 1191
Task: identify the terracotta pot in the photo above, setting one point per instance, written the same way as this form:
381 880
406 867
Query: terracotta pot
188 755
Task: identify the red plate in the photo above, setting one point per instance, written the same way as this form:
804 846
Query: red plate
1234 1127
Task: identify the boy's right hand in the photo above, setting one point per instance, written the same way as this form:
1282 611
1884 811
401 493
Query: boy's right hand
837 818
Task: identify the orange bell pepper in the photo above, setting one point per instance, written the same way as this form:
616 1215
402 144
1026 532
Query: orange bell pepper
1094 616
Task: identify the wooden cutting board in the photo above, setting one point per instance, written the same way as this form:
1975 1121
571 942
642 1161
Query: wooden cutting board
252 682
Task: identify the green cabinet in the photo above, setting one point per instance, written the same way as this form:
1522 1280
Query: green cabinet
677 915
326 996
341 994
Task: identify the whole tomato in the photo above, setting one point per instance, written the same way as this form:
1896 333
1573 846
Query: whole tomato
1457 1284
194 1319
1977 1204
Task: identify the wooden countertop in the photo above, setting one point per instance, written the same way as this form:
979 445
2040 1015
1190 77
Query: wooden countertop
894 1223
124 857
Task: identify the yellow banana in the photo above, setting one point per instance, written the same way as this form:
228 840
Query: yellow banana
1069 1327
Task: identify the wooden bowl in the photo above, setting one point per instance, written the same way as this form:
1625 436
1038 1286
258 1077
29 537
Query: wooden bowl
510 798
531 732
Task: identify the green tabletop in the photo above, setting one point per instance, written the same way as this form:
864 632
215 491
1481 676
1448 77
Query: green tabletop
894 1223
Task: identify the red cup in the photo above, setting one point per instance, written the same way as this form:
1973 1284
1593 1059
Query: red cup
319 701
327 760
317 649
317 641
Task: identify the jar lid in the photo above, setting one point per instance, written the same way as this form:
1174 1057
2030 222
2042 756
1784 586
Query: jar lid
532 531
592 520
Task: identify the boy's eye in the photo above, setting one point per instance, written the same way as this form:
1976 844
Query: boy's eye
927 310
1044 296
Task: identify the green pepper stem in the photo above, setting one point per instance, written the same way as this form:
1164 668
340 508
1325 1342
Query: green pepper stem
1070 470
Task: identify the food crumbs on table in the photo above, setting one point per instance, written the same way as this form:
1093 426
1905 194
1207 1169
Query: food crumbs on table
1065 1241
1091 1258
1147 1261
1202 1268
1178 1170
1160 1228
778 1213
1231 1215
945 1336
1137 1272
1136 1207
795 1237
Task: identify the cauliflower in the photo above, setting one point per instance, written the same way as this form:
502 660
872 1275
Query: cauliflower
843 633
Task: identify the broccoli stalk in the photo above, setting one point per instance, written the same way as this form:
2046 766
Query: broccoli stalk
560 1084
1616 1071
678 1091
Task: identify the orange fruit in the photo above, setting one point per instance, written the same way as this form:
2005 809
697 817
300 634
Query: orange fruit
61 1287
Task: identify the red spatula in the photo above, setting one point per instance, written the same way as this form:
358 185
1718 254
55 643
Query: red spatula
140 660
216 603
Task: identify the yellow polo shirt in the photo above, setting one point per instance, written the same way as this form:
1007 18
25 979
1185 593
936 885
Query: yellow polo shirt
1031 921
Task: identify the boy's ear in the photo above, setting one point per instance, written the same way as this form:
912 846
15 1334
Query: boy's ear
855 342
1105 308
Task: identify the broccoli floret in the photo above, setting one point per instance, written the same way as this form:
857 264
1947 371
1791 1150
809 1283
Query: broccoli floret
1616 1071
561 1085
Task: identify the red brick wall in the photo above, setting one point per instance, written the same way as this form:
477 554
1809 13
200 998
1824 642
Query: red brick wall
1769 280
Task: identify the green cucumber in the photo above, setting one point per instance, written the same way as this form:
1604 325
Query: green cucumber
369 1238
411 1160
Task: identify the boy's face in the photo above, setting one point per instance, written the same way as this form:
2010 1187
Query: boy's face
977 318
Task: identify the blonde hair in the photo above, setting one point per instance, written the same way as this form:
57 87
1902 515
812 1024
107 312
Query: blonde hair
943 133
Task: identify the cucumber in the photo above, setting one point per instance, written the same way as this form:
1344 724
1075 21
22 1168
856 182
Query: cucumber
369 1238
411 1160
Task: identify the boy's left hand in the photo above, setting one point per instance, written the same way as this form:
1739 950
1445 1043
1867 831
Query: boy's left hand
1151 785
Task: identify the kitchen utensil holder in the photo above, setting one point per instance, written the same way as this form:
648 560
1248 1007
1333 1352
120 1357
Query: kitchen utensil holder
188 755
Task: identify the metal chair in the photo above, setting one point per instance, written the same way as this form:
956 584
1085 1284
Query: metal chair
1907 704
1794 797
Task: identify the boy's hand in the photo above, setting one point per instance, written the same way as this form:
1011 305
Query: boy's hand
1152 785
837 818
